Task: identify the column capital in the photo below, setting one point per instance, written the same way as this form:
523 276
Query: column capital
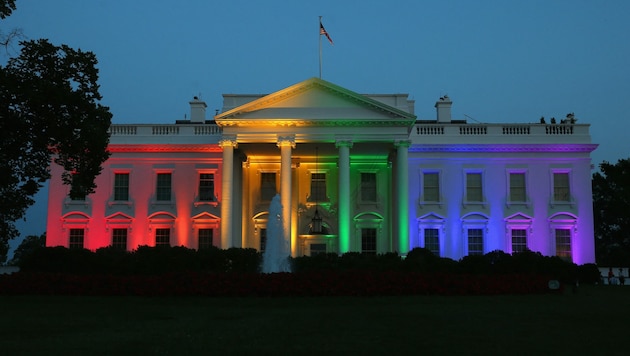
402 143
343 143
284 141
228 141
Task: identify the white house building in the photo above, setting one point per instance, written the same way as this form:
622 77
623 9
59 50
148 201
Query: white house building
354 172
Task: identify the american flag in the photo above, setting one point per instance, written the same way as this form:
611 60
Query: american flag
322 31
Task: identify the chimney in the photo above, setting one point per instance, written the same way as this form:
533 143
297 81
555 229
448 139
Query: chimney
197 110
443 107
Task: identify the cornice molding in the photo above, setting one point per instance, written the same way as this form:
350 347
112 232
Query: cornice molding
315 123
163 148
569 147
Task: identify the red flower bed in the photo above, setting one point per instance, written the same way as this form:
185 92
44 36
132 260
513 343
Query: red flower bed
325 283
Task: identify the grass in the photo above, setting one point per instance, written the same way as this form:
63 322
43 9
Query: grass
593 321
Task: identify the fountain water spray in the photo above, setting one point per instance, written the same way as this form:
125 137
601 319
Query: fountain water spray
277 248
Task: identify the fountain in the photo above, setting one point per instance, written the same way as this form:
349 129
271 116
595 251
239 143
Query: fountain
277 248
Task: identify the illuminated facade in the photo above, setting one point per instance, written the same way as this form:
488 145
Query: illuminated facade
354 172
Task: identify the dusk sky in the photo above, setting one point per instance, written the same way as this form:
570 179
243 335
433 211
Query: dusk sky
499 61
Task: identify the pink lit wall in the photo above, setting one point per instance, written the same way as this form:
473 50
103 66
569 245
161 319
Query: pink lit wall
99 214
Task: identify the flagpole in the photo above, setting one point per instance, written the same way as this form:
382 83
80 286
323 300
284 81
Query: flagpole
320 46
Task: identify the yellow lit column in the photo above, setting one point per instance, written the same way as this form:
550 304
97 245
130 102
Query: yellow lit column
227 204
344 195
402 183
286 144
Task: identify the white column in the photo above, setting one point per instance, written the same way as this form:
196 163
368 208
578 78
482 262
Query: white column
227 204
286 144
344 195
402 183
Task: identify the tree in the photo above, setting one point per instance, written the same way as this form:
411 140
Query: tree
6 8
49 112
611 203
26 248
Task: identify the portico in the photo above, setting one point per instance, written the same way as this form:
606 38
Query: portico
309 117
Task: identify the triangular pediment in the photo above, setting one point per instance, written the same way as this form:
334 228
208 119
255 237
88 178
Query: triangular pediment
204 217
119 217
518 217
431 217
316 102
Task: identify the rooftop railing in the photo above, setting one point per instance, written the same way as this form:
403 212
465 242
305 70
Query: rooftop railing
162 130
421 133
158 134
481 133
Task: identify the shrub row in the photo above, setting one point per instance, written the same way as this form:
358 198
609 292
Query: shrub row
162 260
239 284
145 260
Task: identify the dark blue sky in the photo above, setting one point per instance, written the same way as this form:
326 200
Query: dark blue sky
500 61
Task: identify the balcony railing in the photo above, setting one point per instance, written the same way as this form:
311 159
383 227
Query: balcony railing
503 133
160 130
422 133
178 133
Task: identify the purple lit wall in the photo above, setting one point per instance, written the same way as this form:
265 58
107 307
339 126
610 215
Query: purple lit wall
539 215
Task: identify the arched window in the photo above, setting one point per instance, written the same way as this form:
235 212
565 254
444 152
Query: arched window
161 226
368 230
563 228
75 226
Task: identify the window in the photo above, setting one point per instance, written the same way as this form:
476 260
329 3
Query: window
474 191
431 188
518 192
432 240
519 240
561 191
76 238
162 237
206 187
119 238
368 241
563 244
268 186
317 249
163 190
263 239
368 187
205 238
318 187
121 186
475 241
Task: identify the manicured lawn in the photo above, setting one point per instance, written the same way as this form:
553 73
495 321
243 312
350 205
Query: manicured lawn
595 321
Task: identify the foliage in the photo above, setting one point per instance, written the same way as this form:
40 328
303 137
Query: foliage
145 260
49 111
611 203
27 247
422 259
6 8
589 273
165 260
348 261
